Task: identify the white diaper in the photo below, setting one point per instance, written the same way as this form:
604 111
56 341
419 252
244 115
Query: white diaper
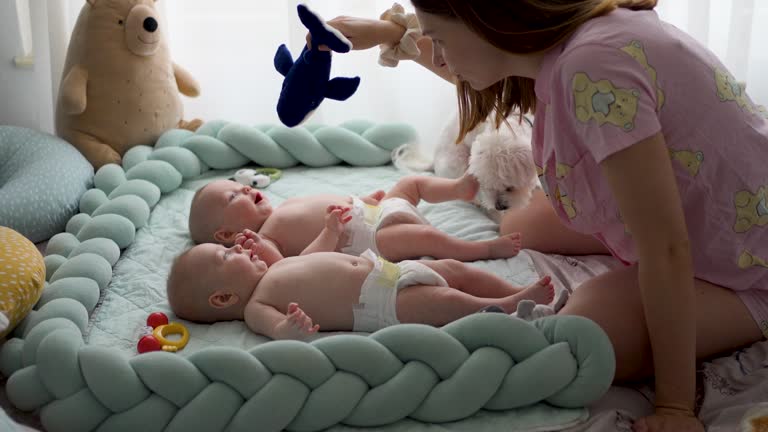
368 219
377 307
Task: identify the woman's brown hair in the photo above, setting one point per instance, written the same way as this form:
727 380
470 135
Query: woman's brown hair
520 27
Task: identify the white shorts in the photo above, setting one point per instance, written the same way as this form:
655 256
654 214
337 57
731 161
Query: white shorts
368 219
377 307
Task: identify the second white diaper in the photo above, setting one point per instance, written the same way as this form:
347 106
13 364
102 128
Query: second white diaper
377 306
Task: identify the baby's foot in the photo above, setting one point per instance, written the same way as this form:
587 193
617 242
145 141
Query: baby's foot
467 187
541 292
505 246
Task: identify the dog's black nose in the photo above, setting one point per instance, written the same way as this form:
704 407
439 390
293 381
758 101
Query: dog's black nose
150 24
500 206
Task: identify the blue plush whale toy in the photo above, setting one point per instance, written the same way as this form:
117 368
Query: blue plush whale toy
307 80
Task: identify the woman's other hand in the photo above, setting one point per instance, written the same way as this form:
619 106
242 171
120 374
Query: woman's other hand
661 422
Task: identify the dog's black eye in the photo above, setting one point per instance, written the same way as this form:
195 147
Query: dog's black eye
511 189
120 22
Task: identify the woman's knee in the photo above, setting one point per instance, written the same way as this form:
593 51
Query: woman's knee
613 302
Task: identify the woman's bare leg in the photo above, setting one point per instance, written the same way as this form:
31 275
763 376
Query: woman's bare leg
613 301
480 283
415 188
412 241
545 232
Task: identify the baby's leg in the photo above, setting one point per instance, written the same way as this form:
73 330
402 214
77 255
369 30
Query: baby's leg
437 305
415 188
374 198
480 283
412 241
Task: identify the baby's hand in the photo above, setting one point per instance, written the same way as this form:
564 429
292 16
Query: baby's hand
336 217
247 239
296 325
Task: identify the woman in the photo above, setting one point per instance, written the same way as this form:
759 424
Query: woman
647 148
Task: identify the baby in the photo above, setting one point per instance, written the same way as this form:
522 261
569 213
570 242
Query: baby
341 292
388 224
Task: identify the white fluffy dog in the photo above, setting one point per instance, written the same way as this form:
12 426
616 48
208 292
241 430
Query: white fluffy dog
501 159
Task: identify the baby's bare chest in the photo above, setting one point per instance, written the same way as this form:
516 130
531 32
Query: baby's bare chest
295 224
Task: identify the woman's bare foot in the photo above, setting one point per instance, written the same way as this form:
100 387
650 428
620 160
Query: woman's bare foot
467 187
505 246
541 292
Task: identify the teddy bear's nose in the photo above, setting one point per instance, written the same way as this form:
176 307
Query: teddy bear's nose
150 24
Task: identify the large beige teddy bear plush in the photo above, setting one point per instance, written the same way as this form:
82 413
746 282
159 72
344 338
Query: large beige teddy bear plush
120 88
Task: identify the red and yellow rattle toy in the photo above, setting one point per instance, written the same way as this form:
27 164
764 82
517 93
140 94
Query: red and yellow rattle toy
157 340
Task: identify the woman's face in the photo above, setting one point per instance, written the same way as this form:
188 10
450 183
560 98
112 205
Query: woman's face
467 55
470 57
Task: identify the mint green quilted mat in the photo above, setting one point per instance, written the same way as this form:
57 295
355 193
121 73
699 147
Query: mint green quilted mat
137 287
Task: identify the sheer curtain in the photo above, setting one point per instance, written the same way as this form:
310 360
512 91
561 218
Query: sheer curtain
228 46
734 29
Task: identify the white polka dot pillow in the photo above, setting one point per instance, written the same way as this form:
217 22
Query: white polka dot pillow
22 277
42 178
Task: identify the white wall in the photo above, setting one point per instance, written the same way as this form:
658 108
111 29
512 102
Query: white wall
735 30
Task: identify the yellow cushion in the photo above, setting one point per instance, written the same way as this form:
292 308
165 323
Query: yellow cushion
22 278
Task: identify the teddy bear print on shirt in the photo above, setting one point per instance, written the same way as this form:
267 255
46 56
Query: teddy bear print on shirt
747 260
561 171
569 205
636 50
604 102
751 209
729 90
691 160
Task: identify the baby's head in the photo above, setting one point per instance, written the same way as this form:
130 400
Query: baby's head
211 282
224 208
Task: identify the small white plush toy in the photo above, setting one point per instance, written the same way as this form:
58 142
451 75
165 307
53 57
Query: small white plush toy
258 178
529 310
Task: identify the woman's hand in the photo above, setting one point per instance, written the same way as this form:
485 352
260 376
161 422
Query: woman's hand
364 33
668 422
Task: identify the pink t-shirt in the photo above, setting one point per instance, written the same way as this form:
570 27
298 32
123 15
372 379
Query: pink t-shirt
624 77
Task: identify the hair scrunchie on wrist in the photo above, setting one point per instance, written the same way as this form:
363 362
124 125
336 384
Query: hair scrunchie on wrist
406 48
